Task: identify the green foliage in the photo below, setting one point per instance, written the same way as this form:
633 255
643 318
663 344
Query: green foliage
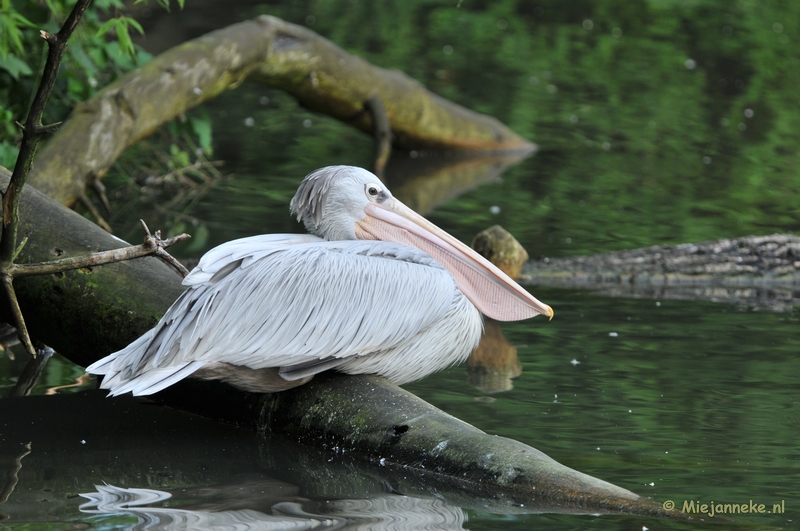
92 60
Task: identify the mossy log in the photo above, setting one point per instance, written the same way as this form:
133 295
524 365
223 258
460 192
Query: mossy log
756 271
319 74
87 314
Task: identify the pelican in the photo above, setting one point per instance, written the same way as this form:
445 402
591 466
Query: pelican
375 288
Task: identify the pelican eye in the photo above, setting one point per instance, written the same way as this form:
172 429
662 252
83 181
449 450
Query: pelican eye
373 190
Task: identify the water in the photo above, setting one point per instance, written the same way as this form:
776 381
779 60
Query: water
675 400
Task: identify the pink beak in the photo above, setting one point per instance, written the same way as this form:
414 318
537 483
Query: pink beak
493 292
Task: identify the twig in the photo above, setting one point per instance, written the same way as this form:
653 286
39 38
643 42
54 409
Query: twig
88 205
382 130
19 321
153 245
100 190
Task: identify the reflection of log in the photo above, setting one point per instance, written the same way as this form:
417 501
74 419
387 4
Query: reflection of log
320 75
86 314
757 270
209 467
431 179
494 363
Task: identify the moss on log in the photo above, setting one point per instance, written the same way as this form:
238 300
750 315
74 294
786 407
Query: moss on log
314 70
84 313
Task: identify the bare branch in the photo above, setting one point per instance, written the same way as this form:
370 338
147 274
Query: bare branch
22 330
153 245
33 130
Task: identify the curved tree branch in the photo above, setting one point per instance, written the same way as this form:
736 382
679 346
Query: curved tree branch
319 74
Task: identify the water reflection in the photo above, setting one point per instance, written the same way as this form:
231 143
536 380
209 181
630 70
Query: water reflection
494 363
385 512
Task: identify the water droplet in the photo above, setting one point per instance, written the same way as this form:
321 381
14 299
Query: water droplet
691 64
307 122
447 49
588 24
573 118
651 124
707 159
310 19
502 24
606 145
658 303
616 32
749 113
613 334
568 240
724 122
777 27
263 100
575 362
197 91
742 127
249 121
533 80
552 89
494 209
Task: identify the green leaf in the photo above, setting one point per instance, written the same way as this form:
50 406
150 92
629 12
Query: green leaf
125 42
15 66
201 127
135 24
110 23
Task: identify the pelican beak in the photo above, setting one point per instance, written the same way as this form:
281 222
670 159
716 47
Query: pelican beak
493 292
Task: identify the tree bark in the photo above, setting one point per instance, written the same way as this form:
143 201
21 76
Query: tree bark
319 74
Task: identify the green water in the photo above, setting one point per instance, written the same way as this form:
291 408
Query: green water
675 400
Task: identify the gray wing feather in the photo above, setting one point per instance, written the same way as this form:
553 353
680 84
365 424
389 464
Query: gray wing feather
280 302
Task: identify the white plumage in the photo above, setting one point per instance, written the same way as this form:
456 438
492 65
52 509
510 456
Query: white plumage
268 312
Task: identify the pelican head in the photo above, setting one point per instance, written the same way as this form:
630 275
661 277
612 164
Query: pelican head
348 203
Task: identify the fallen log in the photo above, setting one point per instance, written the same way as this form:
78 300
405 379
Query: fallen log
760 271
86 314
318 73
